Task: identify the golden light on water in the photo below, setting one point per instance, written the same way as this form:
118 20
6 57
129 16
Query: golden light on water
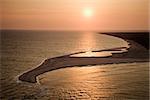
89 41
95 82
93 54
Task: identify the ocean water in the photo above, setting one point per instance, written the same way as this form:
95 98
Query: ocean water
24 50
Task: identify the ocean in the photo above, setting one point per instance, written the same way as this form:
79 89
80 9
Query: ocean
22 50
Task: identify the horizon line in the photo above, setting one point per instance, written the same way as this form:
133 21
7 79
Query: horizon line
15 29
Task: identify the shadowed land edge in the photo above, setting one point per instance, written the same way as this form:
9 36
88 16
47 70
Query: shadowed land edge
139 37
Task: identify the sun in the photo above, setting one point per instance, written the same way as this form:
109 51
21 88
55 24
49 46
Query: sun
88 12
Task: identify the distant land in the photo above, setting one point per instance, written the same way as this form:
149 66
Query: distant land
139 37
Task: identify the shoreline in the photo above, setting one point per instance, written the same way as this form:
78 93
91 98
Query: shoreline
139 37
135 53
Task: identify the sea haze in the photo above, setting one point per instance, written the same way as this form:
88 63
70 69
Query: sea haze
23 50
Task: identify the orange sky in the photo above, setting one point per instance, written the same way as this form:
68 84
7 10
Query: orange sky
69 14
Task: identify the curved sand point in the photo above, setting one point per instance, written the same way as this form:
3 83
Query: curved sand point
136 53
27 77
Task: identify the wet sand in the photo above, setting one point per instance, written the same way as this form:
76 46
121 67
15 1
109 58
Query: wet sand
136 53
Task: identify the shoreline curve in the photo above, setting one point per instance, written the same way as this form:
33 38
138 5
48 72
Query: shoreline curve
142 55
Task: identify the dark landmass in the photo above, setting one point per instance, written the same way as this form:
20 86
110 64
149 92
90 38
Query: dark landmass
136 53
139 37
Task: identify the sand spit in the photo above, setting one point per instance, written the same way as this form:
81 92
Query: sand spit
135 53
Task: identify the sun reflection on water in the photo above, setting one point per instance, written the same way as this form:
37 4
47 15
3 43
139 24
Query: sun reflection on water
93 54
88 41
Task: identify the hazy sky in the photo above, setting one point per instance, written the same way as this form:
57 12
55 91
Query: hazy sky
75 14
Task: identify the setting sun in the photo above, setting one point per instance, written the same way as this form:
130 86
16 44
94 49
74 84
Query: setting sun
88 12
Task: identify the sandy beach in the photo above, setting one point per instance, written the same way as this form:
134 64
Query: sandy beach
136 53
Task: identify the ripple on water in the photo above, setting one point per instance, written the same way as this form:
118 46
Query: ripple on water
119 81
116 81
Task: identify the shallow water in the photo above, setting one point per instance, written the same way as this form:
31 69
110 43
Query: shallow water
113 82
24 50
104 53
106 82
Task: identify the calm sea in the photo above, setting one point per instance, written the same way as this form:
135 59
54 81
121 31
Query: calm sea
24 50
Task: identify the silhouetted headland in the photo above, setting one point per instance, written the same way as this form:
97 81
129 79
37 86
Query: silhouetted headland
139 37
137 52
